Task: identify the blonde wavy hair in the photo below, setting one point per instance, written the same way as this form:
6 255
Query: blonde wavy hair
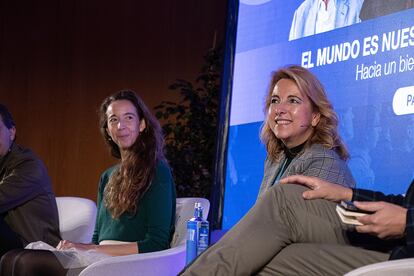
133 178
325 132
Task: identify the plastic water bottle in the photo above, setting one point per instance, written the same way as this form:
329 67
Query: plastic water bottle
197 234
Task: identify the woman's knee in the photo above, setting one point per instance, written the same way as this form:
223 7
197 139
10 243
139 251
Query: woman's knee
288 192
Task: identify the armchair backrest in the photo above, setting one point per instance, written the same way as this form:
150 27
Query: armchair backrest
184 212
76 218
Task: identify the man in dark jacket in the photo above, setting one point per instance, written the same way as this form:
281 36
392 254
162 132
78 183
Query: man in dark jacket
28 210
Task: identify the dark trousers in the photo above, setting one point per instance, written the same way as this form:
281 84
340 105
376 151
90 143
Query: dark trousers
8 238
27 262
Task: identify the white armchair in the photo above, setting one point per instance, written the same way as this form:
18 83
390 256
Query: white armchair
76 218
161 263
404 267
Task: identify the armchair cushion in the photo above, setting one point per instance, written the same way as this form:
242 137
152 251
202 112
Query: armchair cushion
397 267
76 218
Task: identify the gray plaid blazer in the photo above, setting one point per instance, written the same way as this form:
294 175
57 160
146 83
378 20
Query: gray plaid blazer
317 160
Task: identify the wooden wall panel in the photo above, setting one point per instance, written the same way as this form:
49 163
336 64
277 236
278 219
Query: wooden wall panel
59 59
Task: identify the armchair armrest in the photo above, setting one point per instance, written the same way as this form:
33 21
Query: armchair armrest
396 267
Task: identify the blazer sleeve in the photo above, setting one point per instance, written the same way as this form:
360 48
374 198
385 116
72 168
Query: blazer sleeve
323 163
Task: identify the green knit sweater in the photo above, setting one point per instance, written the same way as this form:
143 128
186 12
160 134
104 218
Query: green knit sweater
152 226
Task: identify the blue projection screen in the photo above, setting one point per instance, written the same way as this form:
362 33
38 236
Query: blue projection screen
367 68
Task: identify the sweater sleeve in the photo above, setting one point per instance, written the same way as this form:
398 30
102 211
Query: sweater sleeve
409 227
368 195
159 202
403 201
102 183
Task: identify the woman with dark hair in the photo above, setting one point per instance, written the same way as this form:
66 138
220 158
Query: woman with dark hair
136 198
300 130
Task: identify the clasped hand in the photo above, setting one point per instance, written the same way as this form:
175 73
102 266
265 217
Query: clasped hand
65 244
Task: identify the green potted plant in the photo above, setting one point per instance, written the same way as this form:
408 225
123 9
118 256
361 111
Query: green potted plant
190 128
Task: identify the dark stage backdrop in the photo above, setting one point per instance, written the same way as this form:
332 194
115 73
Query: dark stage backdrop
60 58
367 68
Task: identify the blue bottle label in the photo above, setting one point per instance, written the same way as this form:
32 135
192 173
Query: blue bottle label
197 238
203 238
191 245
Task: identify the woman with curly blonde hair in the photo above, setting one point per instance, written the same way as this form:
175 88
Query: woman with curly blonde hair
300 130
136 198
301 138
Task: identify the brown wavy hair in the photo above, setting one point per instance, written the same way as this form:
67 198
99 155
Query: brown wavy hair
325 132
133 178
